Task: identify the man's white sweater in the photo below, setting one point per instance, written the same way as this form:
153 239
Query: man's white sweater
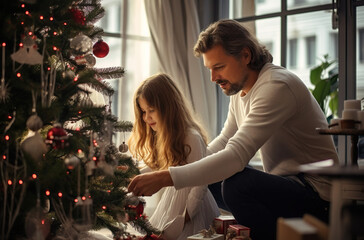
279 116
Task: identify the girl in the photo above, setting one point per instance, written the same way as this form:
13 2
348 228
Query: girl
165 134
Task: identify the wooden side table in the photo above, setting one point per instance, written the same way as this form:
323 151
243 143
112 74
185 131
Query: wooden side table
347 187
354 133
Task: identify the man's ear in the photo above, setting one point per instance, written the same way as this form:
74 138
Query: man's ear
245 55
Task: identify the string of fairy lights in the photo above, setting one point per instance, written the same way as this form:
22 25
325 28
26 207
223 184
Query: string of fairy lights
56 136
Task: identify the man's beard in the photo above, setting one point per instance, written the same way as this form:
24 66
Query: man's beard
234 87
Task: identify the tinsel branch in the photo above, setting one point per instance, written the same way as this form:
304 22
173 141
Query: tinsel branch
89 2
96 32
91 77
107 220
123 126
143 226
95 14
107 89
109 73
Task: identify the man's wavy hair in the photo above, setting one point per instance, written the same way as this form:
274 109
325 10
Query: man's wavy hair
233 37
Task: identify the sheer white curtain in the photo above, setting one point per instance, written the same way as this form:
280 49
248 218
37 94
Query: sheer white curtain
174 28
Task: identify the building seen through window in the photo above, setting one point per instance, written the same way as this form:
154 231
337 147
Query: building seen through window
298 38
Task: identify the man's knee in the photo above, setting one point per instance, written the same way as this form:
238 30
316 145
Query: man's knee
235 186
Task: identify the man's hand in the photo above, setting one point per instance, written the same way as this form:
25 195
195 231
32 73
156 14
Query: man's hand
149 183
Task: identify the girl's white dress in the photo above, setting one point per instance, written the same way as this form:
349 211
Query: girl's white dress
169 215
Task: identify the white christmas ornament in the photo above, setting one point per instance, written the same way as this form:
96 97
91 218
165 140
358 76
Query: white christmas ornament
71 162
90 60
69 74
81 44
28 54
34 123
34 145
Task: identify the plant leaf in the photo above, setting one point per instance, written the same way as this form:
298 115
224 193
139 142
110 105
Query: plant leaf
334 103
315 74
321 91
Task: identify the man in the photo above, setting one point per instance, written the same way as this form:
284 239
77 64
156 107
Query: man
270 109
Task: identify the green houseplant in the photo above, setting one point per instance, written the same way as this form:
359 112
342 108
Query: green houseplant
324 78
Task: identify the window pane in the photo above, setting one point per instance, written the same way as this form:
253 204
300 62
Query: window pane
293 4
268 33
111 21
310 50
292 53
361 45
334 44
313 41
360 53
134 55
267 6
137 23
240 9
137 67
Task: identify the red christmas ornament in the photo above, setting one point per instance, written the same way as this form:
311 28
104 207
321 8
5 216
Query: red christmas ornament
138 209
78 16
100 49
57 137
151 237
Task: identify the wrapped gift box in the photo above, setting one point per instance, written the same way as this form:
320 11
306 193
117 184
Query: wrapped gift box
222 223
201 236
239 230
295 229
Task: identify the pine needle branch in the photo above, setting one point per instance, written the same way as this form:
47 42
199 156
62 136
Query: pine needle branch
109 73
123 126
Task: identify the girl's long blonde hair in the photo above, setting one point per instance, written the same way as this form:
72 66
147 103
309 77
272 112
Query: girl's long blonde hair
167 146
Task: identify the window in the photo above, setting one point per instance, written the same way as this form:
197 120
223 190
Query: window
305 42
269 46
310 51
313 41
299 2
360 52
266 31
305 30
334 45
127 34
295 4
361 45
292 53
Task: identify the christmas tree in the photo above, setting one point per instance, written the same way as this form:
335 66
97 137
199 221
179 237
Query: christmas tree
61 174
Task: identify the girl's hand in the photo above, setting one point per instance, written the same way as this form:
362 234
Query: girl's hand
149 183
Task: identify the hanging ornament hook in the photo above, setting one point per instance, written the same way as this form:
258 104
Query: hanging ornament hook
123 147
